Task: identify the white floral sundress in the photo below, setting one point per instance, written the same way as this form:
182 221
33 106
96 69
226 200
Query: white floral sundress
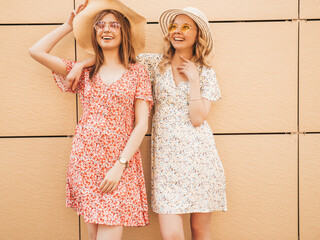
187 175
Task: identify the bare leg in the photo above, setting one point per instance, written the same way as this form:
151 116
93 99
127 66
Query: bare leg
200 226
171 226
106 232
92 230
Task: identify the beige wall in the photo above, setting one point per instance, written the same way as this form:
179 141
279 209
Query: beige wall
267 124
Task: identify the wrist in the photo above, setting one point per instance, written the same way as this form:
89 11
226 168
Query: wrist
68 27
119 165
194 80
123 161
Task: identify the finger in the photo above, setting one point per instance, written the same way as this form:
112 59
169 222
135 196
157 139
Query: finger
79 8
69 82
114 187
180 67
181 71
110 187
184 59
105 187
75 84
85 4
102 185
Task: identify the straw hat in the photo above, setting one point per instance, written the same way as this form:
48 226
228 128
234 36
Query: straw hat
83 23
195 14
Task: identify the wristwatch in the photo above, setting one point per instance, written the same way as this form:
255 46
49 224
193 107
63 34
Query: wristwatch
122 160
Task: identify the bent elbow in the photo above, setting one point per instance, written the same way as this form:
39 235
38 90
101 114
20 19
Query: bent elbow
196 122
145 129
33 53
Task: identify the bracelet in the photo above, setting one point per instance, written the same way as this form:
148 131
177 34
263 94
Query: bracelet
195 99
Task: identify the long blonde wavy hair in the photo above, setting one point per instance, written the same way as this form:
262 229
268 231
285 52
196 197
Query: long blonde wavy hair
200 51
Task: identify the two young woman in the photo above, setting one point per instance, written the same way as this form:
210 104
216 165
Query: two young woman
105 180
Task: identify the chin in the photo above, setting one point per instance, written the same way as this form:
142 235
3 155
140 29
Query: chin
181 47
108 47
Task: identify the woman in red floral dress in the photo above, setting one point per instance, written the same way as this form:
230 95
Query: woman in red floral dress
105 182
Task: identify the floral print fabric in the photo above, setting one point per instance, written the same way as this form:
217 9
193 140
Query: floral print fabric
100 137
187 174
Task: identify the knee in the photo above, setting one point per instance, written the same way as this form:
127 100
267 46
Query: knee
172 235
92 235
200 231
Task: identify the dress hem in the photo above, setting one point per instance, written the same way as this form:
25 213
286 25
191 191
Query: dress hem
79 213
193 211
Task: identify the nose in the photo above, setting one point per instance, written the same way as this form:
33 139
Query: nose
177 30
106 28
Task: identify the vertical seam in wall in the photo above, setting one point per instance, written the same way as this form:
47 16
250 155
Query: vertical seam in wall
298 9
298 119
77 112
298 187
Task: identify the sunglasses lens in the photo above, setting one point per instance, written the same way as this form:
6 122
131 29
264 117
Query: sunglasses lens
172 27
100 25
114 26
185 28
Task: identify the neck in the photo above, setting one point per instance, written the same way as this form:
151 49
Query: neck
111 57
177 60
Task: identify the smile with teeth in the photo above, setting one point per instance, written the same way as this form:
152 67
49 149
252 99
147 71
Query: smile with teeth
107 38
178 39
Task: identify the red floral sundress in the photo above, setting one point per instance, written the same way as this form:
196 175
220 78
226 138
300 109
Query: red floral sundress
100 137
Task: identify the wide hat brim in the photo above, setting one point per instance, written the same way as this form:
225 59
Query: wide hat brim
83 23
197 16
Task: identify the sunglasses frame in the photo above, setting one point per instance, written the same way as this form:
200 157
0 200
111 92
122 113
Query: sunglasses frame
96 27
180 27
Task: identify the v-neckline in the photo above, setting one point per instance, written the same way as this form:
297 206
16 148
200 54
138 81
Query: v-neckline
114 82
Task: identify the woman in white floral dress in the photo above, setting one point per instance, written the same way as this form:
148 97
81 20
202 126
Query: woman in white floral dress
187 174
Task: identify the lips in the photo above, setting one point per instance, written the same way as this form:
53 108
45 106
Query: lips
179 39
107 38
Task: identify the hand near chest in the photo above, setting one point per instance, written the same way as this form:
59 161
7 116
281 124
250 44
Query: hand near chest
187 71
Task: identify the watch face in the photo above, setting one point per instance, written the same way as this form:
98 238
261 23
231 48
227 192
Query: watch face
123 160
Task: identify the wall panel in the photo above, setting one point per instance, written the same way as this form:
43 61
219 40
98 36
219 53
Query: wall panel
309 84
35 11
30 102
309 166
261 173
309 9
32 189
221 10
256 67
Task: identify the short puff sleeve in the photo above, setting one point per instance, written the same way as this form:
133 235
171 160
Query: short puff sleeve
143 86
150 61
61 80
208 84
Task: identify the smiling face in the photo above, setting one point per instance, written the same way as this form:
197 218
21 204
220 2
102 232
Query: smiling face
183 40
108 32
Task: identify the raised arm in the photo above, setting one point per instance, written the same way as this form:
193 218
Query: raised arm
40 50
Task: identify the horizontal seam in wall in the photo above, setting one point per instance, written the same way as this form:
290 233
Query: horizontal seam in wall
150 23
148 135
